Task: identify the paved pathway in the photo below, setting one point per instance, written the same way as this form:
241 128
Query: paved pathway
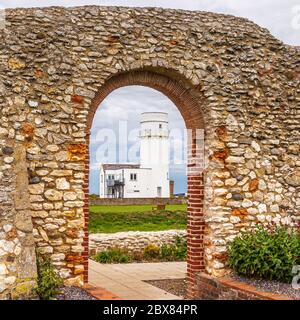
126 280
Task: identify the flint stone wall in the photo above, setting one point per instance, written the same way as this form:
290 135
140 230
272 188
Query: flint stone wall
54 62
133 241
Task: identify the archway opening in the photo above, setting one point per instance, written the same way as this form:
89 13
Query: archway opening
129 173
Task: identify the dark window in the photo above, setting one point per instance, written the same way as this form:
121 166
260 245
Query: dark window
160 126
133 176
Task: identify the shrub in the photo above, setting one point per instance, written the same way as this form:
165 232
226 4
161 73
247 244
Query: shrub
265 254
113 255
48 280
137 256
181 248
175 252
151 251
167 252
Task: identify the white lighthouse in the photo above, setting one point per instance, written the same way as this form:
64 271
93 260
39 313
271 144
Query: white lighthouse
154 151
150 178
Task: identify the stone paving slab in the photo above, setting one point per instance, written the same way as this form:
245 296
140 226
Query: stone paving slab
127 280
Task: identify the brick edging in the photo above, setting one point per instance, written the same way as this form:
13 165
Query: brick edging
210 287
100 293
253 290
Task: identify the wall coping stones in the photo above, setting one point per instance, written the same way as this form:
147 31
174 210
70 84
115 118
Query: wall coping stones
133 241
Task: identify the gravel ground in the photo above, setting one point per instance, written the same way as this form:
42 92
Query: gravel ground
73 293
178 286
174 286
270 286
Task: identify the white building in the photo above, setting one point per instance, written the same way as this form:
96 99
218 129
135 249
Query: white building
150 178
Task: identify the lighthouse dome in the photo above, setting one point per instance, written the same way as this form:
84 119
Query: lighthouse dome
154 117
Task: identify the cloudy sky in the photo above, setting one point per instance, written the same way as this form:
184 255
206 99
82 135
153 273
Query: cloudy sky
115 130
120 111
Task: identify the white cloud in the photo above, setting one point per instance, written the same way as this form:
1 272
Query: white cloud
95 167
127 104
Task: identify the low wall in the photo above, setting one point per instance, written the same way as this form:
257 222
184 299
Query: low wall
141 201
210 288
133 241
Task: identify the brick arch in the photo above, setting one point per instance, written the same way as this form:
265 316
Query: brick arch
186 98
179 91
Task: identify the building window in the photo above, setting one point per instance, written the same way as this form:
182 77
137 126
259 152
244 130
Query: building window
133 176
158 192
160 126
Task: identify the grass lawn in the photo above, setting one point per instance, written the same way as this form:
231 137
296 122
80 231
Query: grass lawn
109 219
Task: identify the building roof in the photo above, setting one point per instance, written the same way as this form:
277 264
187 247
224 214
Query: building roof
116 166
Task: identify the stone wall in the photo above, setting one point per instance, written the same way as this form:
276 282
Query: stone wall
17 250
133 241
137 201
224 73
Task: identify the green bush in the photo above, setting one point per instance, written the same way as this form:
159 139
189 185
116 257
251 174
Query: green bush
167 252
48 281
265 254
113 255
151 251
175 252
181 248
